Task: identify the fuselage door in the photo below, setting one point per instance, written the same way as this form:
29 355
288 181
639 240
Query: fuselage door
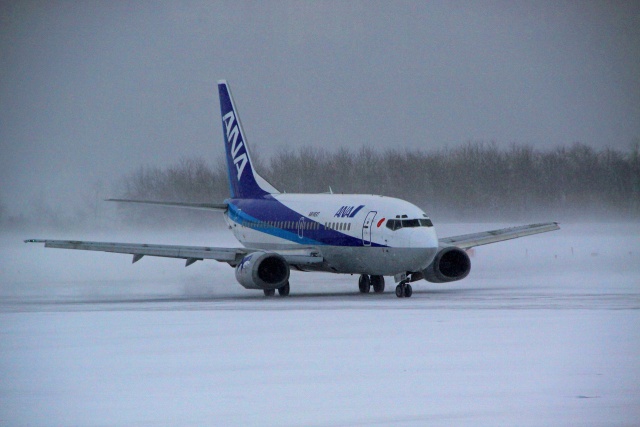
366 228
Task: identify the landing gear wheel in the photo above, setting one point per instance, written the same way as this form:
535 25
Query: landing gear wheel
378 284
408 291
404 290
269 292
399 291
364 284
284 291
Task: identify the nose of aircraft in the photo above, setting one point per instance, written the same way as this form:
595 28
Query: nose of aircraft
424 237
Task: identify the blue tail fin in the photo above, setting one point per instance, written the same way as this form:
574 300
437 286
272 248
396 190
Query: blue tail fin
245 183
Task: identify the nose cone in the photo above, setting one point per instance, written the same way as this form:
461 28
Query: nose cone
424 237
426 240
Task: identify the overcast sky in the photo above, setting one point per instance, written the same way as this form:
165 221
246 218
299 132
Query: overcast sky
90 91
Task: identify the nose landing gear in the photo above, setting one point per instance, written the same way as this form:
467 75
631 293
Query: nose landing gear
404 290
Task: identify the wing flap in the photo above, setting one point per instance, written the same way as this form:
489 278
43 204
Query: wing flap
467 241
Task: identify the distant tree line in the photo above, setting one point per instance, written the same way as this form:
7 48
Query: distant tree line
189 180
476 181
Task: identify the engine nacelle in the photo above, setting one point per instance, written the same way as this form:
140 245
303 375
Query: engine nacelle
450 264
262 270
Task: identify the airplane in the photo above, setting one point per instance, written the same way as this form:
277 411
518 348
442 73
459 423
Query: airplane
369 235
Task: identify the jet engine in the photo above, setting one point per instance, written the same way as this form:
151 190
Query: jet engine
262 270
450 264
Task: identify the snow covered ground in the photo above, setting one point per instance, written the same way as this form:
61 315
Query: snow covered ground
544 331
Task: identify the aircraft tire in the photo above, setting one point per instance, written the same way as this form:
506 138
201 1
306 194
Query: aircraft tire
399 291
284 291
408 291
269 292
378 284
364 284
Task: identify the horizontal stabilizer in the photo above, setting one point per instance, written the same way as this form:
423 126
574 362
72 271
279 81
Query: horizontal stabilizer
467 241
221 207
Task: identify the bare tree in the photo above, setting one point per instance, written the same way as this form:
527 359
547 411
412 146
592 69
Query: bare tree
477 180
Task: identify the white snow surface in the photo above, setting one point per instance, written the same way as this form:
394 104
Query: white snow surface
544 331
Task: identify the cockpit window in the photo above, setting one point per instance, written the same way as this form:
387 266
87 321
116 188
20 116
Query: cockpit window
396 224
426 222
410 223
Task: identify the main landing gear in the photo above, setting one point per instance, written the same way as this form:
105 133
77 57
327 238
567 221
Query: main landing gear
283 291
365 282
404 290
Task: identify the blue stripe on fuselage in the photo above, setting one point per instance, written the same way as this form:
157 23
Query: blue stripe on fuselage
265 211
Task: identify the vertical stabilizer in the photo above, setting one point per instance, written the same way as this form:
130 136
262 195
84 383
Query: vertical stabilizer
244 182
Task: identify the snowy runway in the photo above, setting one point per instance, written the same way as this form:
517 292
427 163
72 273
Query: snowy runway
544 331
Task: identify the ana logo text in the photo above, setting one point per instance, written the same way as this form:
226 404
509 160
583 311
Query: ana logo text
240 160
348 211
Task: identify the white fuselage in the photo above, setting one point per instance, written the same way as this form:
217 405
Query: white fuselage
350 231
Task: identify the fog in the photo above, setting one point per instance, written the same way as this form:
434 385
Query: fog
542 331
90 92
108 99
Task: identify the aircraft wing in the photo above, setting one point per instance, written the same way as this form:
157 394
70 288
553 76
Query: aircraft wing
191 254
467 241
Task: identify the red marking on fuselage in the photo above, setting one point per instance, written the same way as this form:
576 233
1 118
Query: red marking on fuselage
380 222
